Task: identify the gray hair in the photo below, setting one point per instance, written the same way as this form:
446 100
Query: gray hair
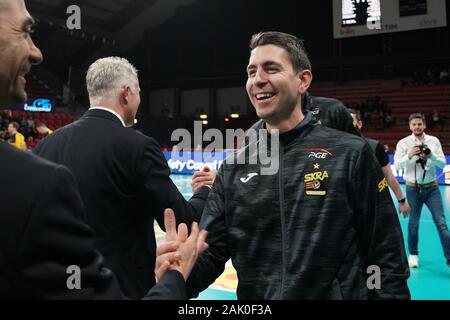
107 75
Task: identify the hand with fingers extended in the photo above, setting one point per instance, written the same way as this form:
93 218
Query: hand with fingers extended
179 251
205 177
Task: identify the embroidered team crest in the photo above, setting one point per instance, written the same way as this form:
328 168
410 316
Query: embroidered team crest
315 183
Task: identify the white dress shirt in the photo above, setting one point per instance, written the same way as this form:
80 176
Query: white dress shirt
111 111
413 170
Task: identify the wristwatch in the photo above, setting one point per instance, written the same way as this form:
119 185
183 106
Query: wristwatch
402 200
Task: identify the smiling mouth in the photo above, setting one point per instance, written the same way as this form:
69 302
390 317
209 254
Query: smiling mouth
264 96
24 71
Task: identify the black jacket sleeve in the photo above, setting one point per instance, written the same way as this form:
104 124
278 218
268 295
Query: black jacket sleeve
211 263
381 155
161 192
57 237
378 227
170 287
332 113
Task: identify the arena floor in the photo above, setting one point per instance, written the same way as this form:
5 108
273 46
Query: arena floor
430 282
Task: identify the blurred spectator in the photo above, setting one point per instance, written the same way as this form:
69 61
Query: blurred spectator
416 78
388 120
435 120
30 133
443 76
431 76
30 122
370 104
427 116
367 119
378 103
14 137
43 130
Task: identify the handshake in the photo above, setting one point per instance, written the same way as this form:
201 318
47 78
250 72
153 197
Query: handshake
179 251
205 177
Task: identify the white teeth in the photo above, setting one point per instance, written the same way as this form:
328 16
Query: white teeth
260 96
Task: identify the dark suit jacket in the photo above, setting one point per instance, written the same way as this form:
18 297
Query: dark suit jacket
43 232
124 183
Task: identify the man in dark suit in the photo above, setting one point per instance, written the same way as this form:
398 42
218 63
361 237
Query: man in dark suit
123 176
43 234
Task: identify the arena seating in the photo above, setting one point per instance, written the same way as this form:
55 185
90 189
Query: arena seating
402 99
53 120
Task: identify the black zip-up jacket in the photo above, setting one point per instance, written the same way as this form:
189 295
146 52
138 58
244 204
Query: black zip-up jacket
331 113
310 231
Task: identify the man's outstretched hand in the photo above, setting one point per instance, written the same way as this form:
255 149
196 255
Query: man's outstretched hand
179 251
205 177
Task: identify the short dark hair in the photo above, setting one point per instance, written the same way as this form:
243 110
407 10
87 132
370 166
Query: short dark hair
15 125
417 116
293 46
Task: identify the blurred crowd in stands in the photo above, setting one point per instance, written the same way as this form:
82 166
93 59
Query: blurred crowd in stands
374 113
377 115
434 120
18 131
431 75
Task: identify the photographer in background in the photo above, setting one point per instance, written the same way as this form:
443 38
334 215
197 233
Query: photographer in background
418 155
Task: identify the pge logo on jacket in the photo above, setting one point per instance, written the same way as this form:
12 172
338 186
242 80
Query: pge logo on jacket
318 153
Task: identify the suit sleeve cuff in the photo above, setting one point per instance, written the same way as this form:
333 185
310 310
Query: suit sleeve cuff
171 287
203 191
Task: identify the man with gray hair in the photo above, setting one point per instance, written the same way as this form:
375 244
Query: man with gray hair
123 176
105 80
44 235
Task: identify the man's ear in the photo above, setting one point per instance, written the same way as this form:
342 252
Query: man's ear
305 77
124 94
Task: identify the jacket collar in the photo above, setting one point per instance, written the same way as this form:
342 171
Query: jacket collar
301 129
413 138
104 114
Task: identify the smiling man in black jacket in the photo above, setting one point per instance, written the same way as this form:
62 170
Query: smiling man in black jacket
323 226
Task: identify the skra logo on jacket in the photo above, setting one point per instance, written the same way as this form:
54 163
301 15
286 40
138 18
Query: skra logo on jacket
382 185
315 182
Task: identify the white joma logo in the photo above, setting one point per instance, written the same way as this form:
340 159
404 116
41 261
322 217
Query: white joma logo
249 176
